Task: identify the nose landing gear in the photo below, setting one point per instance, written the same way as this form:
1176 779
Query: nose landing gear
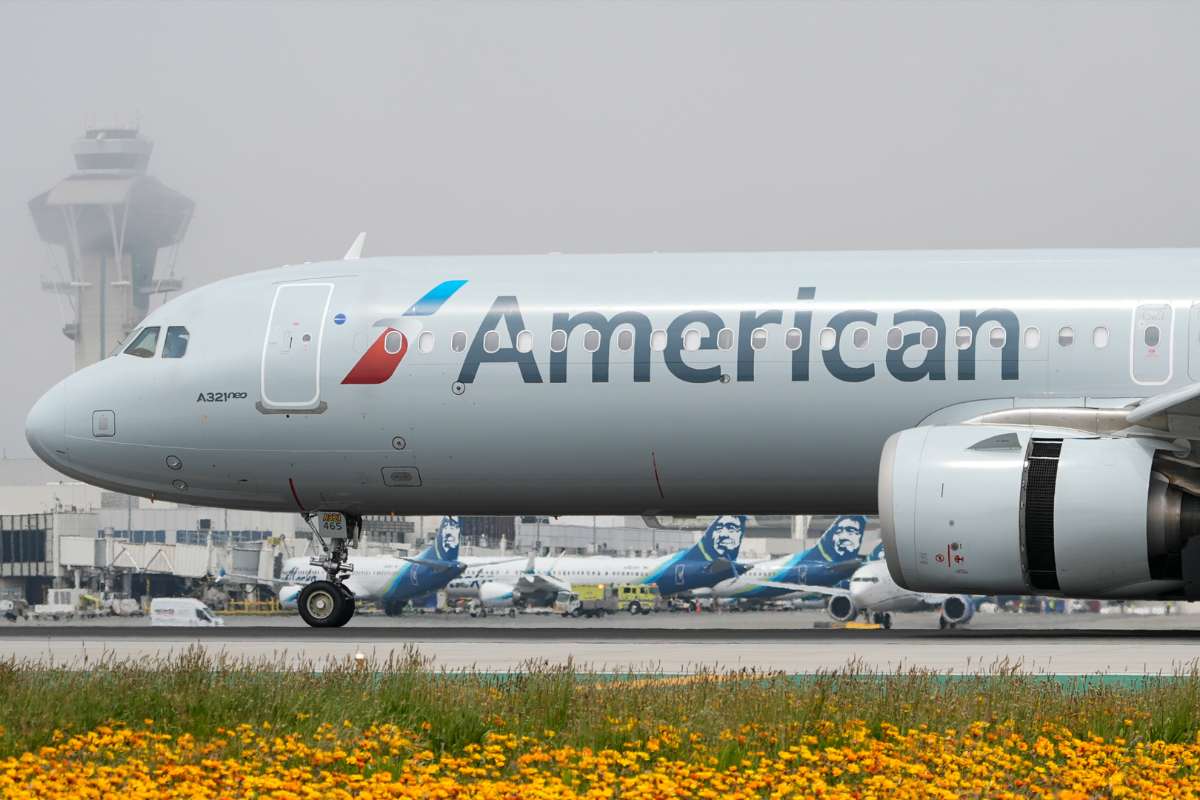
330 603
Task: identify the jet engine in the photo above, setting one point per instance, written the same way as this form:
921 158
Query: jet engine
841 608
495 594
288 595
982 509
957 609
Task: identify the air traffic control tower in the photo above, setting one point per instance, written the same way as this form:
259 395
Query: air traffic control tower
111 219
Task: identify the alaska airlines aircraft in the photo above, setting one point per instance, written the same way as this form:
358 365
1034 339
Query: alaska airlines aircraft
831 560
1022 420
704 564
391 581
874 594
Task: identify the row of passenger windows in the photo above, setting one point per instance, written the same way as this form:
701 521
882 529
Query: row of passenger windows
145 342
793 338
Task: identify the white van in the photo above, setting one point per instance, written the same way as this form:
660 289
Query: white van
182 612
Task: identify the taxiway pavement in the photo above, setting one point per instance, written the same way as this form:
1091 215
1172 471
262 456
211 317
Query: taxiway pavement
1052 644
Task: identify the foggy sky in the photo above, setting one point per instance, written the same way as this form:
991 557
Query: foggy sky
498 127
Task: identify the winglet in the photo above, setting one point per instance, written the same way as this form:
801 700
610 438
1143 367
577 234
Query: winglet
355 251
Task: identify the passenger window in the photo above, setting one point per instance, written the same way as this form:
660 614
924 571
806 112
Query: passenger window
962 338
1033 338
860 338
997 337
491 342
793 339
176 342
558 341
1066 336
625 340
725 339
591 341
425 342
828 339
1151 336
929 338
1100 337
393 342
458 342
758 338
691 340
524 342
145 344
658 341
895 338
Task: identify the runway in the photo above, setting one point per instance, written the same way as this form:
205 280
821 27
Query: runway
1085 646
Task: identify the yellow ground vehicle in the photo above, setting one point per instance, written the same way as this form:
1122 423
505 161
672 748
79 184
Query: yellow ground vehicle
587 600
598 599
638 598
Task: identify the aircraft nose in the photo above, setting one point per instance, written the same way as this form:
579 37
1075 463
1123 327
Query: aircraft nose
858 591
45 427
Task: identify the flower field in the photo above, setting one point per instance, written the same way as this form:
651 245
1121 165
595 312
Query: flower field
197 727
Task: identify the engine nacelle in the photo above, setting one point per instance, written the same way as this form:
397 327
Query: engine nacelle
957 609
841 608
493 594
977 509
289 595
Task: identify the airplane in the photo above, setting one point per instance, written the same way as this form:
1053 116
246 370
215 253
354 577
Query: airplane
833 559
711 560
874 594
1022 420
391 581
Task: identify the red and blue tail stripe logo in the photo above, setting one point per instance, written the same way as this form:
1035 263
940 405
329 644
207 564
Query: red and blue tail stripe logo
388 350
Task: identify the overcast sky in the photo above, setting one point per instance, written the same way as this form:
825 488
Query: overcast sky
496 127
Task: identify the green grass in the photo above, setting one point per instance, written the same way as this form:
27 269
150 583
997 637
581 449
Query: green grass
197 693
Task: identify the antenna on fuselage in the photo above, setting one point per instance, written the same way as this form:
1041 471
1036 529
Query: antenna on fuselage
355 251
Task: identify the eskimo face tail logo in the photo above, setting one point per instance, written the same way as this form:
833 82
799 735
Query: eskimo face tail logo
447 539
723 539
388 350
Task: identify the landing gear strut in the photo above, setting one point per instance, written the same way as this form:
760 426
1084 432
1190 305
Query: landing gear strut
330 603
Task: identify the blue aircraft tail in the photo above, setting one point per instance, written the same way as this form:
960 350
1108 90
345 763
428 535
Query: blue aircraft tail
722 540
877 554
840 542
445 544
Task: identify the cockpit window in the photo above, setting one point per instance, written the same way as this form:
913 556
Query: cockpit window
129 337
176 343
144 344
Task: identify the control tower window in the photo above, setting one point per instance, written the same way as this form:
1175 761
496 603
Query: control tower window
175 345
145 344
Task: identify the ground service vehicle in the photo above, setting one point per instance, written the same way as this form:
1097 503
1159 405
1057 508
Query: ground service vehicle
187 612
638 598
587 600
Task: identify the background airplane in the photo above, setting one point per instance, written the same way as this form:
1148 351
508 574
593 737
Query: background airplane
712 559
874 594
833 559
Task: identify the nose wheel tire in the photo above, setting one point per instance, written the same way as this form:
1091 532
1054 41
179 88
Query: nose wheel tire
324 604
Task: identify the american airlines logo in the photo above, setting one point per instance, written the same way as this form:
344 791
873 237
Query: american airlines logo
916 344
917 350
389 348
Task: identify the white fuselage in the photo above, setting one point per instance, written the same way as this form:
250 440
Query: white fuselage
567 570
684 383
872 589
